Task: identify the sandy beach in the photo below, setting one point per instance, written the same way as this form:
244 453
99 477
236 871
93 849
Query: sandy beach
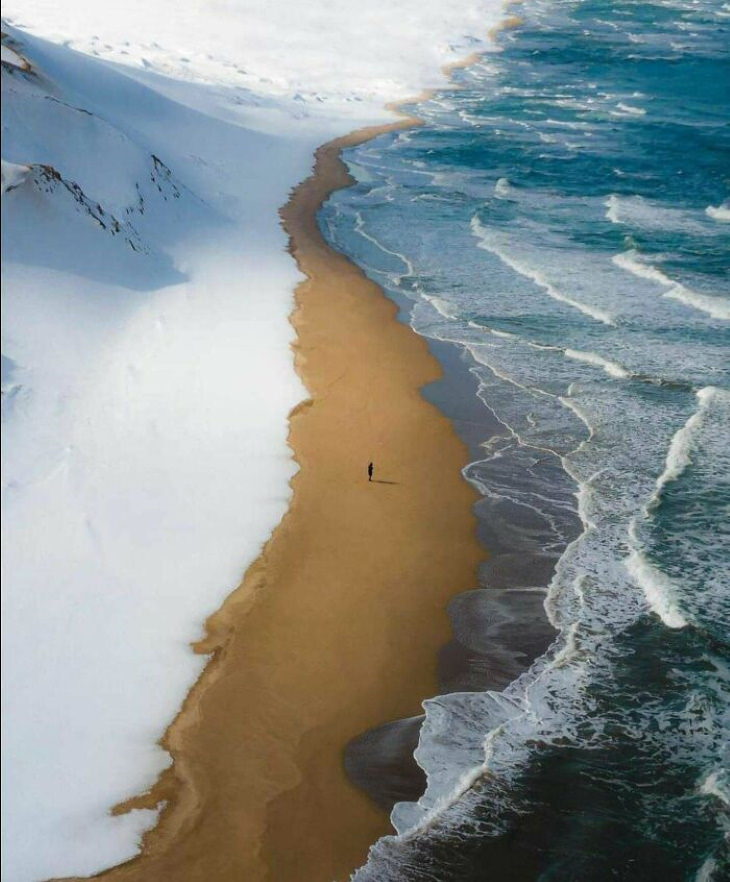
232 652
336 627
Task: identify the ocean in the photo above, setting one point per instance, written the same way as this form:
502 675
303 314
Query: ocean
558 230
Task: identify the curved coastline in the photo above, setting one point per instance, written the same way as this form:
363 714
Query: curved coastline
337 625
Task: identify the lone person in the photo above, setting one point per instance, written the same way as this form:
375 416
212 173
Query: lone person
371 469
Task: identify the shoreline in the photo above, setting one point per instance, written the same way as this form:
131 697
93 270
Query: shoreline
257 745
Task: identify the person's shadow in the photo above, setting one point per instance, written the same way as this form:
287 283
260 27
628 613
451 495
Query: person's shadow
378 481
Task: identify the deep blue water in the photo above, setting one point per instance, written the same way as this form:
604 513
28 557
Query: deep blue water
562 217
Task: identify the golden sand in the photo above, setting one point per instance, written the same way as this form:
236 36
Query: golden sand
336 626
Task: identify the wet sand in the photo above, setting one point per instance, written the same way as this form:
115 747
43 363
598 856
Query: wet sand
336 628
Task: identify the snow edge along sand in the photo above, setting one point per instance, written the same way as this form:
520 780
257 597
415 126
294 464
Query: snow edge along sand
87 770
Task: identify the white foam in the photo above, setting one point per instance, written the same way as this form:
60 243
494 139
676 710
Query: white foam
630 110
612 206
454 748
679 455
486 241
505 335
442 307
719 213
612 368
706 872
503 189
360 229
717 784
659 591
716 307
628 260
636 211
570 650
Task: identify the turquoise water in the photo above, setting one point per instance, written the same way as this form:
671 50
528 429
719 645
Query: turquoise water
562 218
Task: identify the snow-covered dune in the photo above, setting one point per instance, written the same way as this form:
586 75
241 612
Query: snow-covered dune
147 377
147 373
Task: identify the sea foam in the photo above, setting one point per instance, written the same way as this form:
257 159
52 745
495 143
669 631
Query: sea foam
612 368
680 449
646 214
719 213
488 242
716 307
658 589
717 784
